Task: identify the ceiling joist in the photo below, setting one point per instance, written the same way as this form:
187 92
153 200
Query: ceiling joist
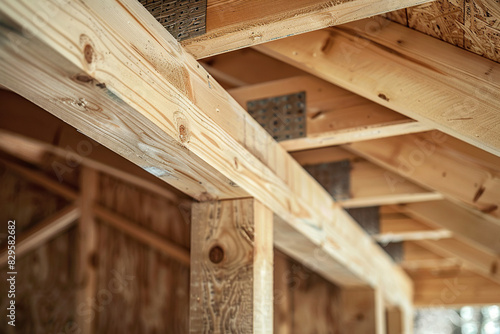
428 80
234 25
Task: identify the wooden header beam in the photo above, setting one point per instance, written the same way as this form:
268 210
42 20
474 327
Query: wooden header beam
234 24
114 73
421 77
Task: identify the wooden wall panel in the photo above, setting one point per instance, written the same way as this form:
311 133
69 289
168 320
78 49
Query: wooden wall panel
45 288
157 298
169 220
153 296
46 282
305 303
24 201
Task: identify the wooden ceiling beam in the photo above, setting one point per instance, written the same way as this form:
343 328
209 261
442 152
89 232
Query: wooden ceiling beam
412 236
484 263
334 115
234 25
470 226
115 74
464 289
362 172
439 162
428 80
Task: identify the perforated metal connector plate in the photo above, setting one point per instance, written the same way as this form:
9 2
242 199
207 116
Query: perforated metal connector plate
284 117
395 250
368 218
334 177
182 18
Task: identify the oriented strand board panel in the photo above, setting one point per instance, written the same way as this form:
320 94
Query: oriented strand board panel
442 19
482 28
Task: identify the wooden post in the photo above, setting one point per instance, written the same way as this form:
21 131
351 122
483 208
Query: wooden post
87 231
362 311
231 267
394 321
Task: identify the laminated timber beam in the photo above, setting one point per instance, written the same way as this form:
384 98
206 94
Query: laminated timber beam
236 24
428 80
333 115
112 71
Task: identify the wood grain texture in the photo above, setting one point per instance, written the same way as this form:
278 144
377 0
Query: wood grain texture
231 268
237 24
405 71
160 109
334 116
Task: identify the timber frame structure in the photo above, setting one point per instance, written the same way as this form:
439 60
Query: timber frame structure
410 122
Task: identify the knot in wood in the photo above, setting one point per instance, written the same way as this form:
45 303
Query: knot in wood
88 53
216 254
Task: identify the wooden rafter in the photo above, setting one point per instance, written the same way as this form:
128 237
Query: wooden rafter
334 115
483 263
467 225
463 173
423 78
362 172
233 25
464 289
144 97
